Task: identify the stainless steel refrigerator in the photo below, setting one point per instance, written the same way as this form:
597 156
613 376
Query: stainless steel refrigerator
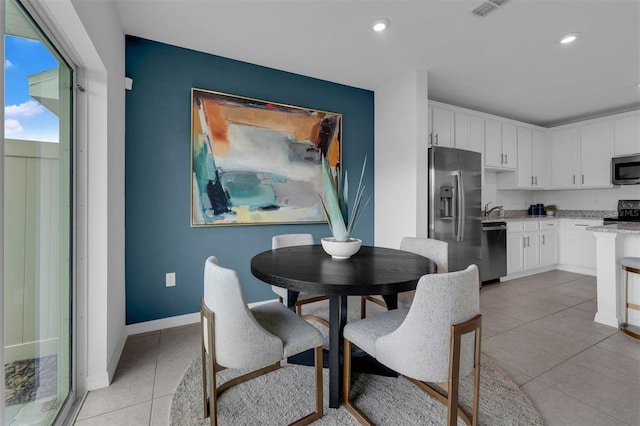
455 204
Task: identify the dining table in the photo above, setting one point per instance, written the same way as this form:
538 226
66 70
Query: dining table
371 271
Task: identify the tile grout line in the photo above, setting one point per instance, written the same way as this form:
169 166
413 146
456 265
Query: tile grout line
571 396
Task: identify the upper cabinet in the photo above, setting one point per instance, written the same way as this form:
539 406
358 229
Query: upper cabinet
626 135
441 127
500 145
531 159
469 132
455 129
581 156
571 156
595 155
564 158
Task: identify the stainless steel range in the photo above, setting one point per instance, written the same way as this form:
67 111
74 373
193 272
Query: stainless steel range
628 211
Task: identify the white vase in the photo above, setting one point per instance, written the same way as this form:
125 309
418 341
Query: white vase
341 249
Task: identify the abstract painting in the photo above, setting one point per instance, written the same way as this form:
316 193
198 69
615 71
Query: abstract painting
258 162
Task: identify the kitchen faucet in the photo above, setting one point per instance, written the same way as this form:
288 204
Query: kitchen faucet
488 212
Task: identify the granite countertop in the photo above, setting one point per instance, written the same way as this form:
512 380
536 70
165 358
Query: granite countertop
618 228
519 215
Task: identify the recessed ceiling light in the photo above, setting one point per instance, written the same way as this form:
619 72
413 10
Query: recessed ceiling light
569 38
380 24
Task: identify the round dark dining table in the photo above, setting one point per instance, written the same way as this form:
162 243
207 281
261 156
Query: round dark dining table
373 270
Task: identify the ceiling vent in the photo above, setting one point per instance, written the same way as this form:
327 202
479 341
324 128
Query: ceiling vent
487 7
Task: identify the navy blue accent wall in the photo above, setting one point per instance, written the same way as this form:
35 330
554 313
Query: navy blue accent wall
157 182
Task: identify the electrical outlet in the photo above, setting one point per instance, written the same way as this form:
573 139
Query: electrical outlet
170 279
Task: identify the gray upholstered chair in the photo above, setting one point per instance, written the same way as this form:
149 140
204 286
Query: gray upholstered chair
433 344
436 250
288 240
234 336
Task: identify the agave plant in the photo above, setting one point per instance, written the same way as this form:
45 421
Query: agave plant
336 207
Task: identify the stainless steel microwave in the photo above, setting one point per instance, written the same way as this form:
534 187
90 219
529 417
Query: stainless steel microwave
625 170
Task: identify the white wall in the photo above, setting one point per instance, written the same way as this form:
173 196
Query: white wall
401 159
93 32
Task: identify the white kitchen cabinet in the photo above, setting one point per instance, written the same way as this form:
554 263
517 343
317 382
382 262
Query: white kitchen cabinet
531 159
595 155
564 158
515 247
469 132
539 159
626 135
500 145
524 174
548 242
476 134
442 127
493 156
577 246
581 156
461 131
531 245
509 143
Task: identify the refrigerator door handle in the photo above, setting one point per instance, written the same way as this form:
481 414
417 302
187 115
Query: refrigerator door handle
459 205
462 212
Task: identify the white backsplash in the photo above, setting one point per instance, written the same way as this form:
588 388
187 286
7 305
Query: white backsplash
571 199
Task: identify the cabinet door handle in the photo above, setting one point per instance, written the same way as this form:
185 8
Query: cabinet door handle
501 158
436 139
524 242
583 179
574 179
536 180
431 138
506 161
543 243
528 242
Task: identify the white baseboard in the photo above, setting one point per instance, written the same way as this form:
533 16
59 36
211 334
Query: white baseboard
177 321
577 269
97 381
526 273
161 324
611 322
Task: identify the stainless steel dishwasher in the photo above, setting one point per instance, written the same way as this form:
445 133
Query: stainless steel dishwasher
494 251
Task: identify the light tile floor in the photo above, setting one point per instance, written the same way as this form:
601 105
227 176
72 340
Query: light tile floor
539 328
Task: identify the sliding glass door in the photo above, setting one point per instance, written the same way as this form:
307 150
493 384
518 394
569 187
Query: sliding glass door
38 234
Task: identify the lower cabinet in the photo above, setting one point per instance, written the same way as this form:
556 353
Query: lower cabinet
578 246
549 246
515 247
531 244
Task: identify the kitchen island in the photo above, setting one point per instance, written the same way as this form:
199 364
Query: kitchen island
613 242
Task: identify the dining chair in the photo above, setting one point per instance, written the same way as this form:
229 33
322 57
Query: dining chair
236 337
433 344
288 240
436 250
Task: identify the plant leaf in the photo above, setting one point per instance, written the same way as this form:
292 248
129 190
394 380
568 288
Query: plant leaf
333 210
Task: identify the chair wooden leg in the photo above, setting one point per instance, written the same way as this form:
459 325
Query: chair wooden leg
624 326
209 371
207 319
205 403
346 386
363 307
452 387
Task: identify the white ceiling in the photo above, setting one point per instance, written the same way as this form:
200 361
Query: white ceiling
509 63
